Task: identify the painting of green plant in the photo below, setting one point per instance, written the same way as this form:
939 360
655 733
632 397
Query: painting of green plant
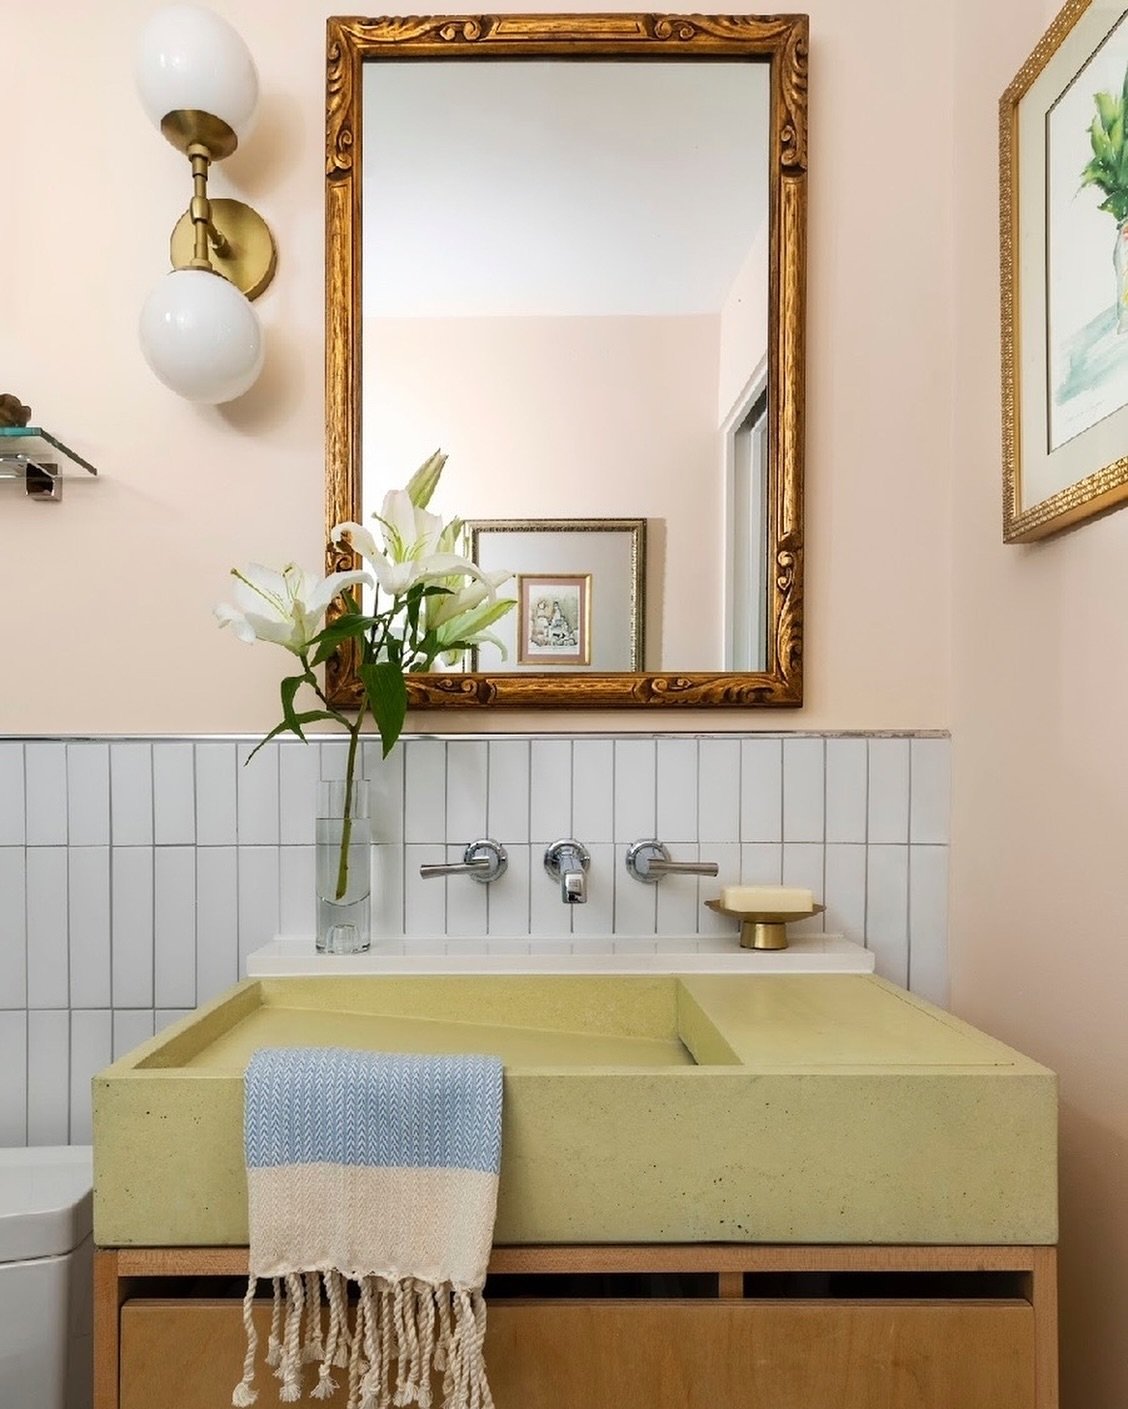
1087 244
1108 167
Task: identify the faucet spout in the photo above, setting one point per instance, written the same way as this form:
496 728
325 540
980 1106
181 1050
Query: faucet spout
567 862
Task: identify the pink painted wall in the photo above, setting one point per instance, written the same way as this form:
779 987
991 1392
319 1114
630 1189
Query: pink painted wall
107 597
1039 939
568 418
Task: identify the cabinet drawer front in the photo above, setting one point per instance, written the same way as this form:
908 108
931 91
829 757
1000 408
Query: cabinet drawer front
649 1355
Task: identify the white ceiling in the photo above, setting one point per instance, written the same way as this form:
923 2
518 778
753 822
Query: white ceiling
521 188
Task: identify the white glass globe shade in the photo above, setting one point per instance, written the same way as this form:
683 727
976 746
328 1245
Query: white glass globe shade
201 336
190 58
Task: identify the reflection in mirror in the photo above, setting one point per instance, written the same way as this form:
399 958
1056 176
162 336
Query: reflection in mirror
565 285
571 249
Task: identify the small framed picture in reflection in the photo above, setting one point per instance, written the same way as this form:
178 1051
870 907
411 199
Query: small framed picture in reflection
554 615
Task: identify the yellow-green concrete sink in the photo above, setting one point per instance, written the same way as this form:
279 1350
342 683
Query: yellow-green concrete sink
735 1108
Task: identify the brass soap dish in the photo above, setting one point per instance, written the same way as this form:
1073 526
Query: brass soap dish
763 929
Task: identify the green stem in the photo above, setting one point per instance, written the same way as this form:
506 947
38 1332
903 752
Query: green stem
347 821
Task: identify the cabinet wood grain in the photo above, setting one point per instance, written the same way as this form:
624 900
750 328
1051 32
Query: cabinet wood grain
187 1354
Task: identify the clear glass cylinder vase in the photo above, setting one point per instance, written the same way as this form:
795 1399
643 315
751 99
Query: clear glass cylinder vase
344 868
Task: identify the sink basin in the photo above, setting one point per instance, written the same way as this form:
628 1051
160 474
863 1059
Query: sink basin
672 1108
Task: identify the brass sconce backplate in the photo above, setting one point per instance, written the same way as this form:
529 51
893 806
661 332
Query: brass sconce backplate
250 255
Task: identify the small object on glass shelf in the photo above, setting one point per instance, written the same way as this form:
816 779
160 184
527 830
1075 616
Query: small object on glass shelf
763 928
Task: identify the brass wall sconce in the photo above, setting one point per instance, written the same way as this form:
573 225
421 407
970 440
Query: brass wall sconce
199 333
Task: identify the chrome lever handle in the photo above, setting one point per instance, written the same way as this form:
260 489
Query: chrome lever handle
684 868
648 861
483 860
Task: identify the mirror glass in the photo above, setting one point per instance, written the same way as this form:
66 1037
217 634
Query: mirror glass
565 287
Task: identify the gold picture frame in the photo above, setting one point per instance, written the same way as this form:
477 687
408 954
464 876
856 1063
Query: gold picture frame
781 41
607 555
1063 434
554 618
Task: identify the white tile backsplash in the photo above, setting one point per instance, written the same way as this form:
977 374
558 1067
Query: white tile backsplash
718 791
676 787
846 790
88 794
45 793
930 790
467 786
91 1049
13 928
216 790
11 792
550 790
174 794
88 884
887 910
174 926
258 885
636 793
761 790
888 810
928 922
48 1077
593 791
131 794
256 795
136 874
507 805
132 948
47 968
424 811
507 898
217 920
13 1078
467 901
804 788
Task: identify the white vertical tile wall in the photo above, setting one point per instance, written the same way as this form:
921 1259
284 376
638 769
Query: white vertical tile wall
135 875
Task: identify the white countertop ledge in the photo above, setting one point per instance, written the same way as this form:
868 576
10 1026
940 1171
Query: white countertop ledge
290 957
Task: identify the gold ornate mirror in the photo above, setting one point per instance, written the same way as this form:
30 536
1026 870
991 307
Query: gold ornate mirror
570 249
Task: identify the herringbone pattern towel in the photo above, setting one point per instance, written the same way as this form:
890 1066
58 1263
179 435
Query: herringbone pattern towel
378 1169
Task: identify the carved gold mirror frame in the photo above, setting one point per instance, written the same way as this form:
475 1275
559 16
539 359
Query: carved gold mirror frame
780 40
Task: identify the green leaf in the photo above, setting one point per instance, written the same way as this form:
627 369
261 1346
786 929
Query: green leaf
290 687
345 628
1098 137
1108 109
307 717
387 699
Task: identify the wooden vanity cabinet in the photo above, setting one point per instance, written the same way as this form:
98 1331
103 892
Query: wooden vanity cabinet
759 1328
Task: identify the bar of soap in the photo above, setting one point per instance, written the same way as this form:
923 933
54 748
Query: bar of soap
767 900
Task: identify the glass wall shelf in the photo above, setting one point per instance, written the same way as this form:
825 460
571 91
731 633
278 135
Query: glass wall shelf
32 454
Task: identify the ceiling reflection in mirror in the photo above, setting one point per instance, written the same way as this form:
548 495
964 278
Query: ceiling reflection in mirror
566 287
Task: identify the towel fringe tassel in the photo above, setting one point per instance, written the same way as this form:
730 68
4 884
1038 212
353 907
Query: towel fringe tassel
412 1325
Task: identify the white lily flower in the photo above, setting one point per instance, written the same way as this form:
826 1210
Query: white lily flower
416 546
286 607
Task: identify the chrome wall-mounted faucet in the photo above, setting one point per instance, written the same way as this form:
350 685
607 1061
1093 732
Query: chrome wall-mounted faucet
567 862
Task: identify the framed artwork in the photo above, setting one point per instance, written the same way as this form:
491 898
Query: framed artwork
580 589
555 613
1064 254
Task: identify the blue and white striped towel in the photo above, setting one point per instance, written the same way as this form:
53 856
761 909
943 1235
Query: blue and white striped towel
379 1169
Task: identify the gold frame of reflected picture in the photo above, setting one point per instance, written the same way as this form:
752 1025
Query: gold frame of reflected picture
780 41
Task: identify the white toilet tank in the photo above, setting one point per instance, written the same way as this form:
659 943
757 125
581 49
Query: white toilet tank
46 1271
